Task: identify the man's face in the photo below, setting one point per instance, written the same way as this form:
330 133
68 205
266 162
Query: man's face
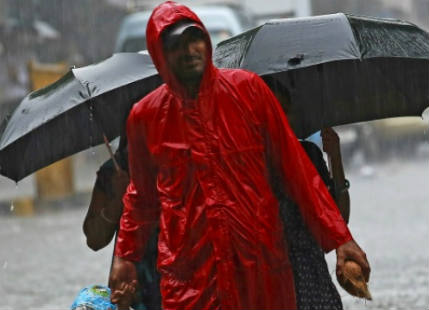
187 57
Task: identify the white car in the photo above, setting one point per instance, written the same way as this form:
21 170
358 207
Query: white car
221 22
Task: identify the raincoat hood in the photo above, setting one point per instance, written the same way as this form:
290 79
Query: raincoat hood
164 16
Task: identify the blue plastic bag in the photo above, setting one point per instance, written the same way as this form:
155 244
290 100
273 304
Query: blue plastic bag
94 297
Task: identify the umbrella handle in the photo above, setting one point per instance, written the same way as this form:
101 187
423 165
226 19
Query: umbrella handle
330 166
109 149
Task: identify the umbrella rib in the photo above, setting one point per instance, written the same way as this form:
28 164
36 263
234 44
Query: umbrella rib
106 141
90 106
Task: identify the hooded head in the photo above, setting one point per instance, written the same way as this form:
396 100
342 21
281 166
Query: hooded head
167 23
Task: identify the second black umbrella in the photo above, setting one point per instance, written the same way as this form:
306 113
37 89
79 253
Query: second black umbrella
74 113
338 68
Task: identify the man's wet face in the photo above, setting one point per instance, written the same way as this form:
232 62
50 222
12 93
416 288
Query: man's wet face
187 56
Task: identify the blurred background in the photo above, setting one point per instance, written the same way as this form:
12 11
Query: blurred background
44 260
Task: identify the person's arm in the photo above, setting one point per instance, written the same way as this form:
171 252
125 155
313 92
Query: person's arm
104 212
141 209
124 288
301 180
98 231
331 145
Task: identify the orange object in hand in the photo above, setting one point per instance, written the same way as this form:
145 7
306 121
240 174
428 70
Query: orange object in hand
353 281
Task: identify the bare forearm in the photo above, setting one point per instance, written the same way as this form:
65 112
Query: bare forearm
343 203
101 220
98 232
341 190
337 169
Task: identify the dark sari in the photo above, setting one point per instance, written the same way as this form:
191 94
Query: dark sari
313 283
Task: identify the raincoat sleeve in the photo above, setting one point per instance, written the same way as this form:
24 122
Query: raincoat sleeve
141 210
301 180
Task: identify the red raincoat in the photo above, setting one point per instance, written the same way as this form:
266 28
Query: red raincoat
198 169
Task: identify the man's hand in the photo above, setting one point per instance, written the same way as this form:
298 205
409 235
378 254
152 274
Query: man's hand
331 142
123 282
351 251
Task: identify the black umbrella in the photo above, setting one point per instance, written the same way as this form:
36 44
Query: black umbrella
74 113
337 68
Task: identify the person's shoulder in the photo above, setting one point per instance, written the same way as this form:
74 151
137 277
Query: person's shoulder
237 75
314 153
309 145
311 148
243 79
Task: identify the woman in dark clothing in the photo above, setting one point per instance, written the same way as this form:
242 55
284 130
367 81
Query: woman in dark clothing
314 288
105 208
102 221
313 283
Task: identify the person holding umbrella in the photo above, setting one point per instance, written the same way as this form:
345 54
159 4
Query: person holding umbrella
334 178
313 283
105 208
202 151
102 221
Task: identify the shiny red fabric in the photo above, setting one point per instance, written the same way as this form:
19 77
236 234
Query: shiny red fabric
198 169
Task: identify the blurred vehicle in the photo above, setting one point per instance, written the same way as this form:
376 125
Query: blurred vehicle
402 134
221 22
379 139
399 128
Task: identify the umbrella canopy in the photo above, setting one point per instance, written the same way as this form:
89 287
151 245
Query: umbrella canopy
73 113
338 68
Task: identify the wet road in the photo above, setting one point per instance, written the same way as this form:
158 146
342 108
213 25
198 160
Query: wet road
390 221
44 261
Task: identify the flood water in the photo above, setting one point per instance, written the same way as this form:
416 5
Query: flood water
44 260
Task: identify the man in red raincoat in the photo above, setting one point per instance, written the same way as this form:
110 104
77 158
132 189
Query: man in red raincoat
202 149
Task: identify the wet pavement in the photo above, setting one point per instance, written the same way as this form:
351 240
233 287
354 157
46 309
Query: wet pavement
44 260
390 220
